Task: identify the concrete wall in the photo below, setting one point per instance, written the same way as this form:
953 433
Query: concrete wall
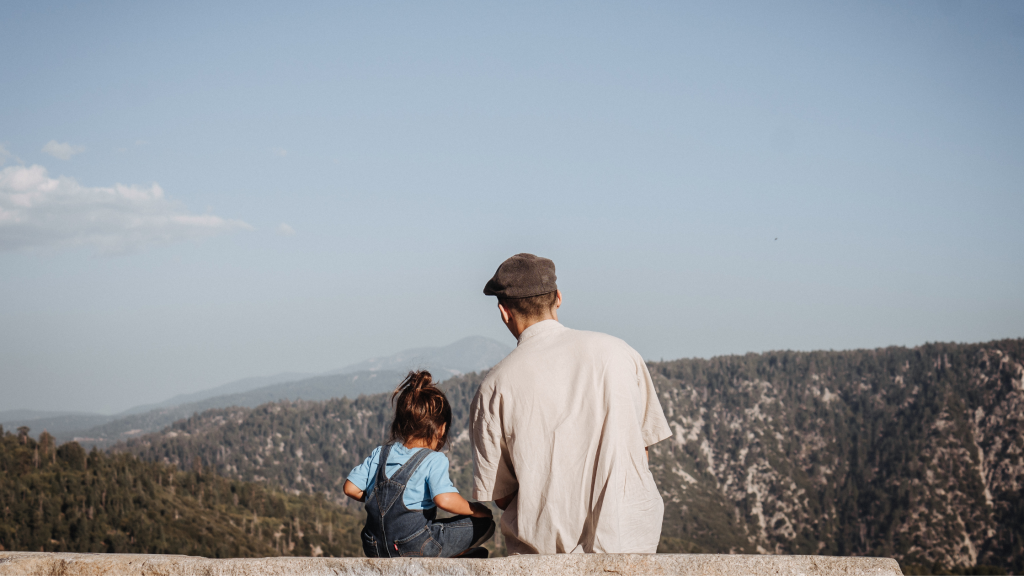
39 563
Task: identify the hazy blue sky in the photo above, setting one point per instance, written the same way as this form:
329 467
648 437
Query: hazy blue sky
193 193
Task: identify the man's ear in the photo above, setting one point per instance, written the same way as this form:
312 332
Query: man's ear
505 316
558 299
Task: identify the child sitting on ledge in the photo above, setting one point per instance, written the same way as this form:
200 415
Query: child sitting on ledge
403 495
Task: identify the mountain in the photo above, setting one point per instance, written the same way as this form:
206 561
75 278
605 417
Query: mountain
301 445
61 424
912 453
316 388
470 354
66 425
62 499
19 415
235 387
368 377
349 385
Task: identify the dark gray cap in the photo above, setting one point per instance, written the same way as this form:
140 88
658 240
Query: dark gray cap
522 276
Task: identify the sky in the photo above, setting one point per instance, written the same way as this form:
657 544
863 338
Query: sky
192 193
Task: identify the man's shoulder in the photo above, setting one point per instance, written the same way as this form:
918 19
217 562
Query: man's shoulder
574 341
578 343
600 342
494 374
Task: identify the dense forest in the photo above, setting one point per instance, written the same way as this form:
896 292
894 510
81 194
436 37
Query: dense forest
63 499
913 453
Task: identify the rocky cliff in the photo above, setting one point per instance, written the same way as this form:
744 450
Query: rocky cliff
909 453
913 453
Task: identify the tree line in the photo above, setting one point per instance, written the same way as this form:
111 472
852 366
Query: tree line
64 499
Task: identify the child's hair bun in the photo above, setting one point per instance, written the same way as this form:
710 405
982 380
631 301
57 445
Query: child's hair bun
421 410
422 380
414 382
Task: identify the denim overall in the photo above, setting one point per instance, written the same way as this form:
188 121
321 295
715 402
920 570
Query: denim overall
392 530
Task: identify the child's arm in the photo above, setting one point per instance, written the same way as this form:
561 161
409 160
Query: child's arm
453 502
353 491
363 474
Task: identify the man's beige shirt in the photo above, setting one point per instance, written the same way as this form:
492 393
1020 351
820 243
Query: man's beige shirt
564 419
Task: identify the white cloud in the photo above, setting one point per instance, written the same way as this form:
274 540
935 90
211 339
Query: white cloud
285 229
62 150
36 210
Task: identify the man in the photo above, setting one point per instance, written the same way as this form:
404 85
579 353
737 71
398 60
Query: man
561 428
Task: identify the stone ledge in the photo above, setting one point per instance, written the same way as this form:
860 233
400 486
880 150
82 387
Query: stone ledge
44 563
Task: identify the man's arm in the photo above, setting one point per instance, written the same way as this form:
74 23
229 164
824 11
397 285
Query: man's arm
654 427
492 467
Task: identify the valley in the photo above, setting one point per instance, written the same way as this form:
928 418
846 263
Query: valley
913 453
910 453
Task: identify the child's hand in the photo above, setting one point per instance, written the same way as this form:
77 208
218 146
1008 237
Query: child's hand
480 510
452 502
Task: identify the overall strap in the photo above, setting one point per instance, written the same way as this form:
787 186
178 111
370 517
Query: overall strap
405 472
384 494
382 462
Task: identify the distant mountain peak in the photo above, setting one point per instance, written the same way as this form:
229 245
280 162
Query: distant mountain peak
470 354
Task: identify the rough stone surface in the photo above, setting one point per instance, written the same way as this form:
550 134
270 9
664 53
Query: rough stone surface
40 563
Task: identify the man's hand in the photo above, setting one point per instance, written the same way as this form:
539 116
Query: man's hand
504 502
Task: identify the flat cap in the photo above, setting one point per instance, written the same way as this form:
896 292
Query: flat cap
522 276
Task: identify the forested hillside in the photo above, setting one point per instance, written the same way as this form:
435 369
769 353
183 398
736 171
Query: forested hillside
63 499
910 453
305 446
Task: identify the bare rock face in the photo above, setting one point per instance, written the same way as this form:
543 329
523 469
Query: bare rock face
40 563
915 454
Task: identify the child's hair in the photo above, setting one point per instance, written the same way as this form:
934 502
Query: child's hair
421 411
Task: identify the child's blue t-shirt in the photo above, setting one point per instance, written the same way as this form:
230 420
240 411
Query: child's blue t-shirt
429 480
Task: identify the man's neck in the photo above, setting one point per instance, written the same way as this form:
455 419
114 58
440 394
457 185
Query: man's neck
521 325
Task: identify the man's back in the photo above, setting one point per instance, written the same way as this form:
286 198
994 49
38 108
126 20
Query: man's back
564 419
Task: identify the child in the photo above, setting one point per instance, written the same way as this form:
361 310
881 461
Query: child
402 496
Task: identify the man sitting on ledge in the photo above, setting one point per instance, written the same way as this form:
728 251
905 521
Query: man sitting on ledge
561 428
